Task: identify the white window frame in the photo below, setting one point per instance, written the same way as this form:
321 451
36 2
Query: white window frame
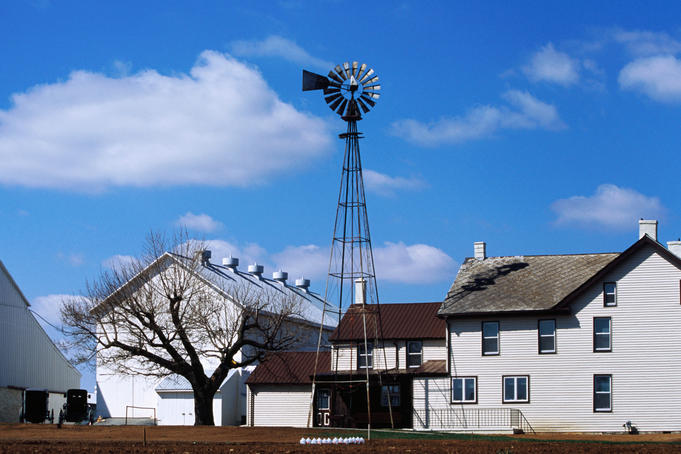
368 356
497 337
540 336
609 334
394 391
505 399
613 293
419 354
463 390
608 392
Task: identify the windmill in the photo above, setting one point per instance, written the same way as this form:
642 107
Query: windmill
349 89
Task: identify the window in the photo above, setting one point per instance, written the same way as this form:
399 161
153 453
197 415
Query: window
516 389
365 359
602 393
547 336
414 351
602 334
490 338
323 399
610 294
394 392
464 390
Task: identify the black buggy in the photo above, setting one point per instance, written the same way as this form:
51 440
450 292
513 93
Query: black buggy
35 408
76 408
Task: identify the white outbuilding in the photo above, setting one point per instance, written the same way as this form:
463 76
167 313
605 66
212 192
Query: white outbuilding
28 357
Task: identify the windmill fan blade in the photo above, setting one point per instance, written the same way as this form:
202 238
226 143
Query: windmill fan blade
346 67
340 72
368 73
341 109
312 81
330 99
361 70
354 68
329 90
335 104
333 76
364 107
372 87
368 100
372 80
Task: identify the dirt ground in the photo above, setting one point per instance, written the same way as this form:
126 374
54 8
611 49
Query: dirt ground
39 439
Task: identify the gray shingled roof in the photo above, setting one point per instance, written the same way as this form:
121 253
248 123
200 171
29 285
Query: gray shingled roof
519 283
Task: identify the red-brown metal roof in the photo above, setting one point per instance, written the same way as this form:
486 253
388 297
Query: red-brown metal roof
289 368
398 321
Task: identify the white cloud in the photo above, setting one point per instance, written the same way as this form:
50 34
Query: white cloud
219 125
413 264
550 65
646 43
119 261
658 77
610 207
383 184
200 222
48 307
276 46
310 261
523 112
247 254
394 262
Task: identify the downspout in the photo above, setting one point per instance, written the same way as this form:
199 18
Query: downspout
397 356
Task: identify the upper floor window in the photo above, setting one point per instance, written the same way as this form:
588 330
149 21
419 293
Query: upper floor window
602 393
602 334
365 359
517 389
490 338
610 294
414 353
547 336
392 391
464 390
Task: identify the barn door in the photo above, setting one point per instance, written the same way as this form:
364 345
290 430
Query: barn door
323 414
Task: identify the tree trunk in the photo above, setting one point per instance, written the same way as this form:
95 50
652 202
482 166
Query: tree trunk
203 407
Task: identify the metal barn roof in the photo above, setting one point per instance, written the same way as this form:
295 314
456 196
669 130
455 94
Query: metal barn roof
289 368
398 321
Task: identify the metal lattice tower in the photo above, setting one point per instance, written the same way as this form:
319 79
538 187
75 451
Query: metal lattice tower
352 276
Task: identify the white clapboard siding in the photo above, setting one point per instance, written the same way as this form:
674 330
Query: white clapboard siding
279 405
645 361
345 356
428 394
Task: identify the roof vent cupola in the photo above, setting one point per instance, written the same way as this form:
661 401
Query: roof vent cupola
280 276
256 270
230 262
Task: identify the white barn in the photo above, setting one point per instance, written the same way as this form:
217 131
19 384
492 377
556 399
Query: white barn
584 343
28 357
170 398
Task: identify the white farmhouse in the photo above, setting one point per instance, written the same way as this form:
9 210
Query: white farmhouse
584 342
170 398
28 357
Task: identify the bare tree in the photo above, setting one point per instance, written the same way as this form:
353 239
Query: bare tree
164 314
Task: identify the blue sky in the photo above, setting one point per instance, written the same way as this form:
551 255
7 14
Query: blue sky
537 127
